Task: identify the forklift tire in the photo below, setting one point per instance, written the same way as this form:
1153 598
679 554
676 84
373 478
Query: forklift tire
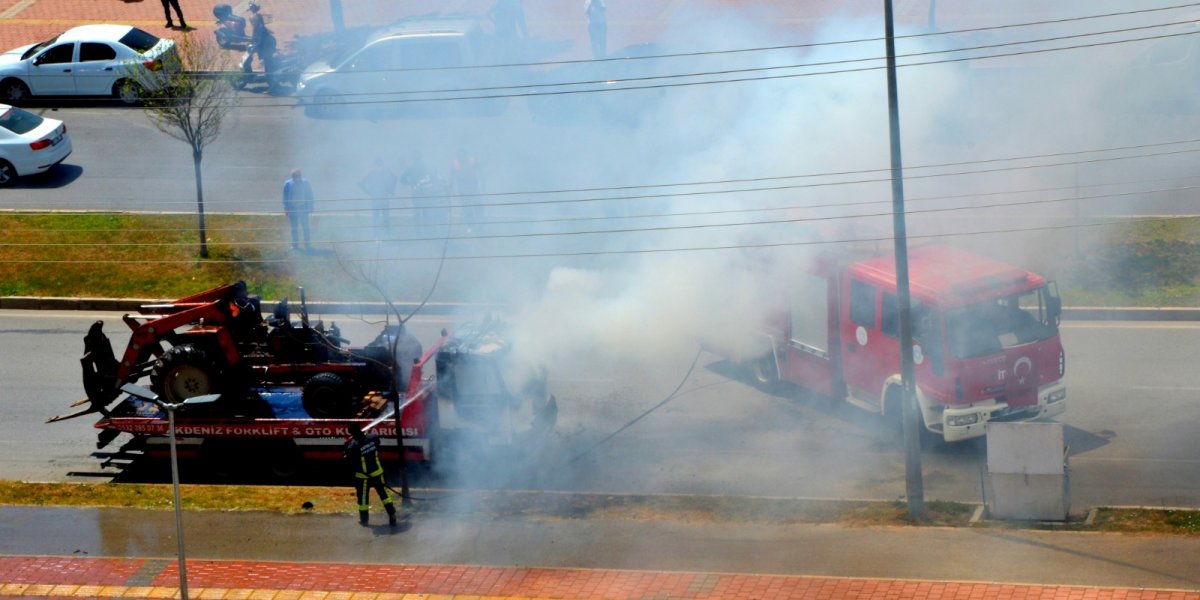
327 396
183 372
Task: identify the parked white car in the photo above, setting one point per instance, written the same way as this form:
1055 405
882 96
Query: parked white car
417 65
89 60
29 143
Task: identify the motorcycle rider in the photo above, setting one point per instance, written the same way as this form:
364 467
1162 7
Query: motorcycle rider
262 43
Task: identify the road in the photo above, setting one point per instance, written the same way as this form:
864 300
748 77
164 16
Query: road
1130 424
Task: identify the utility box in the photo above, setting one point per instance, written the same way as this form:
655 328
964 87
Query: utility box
1028 471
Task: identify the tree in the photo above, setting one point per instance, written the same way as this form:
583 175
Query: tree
187 98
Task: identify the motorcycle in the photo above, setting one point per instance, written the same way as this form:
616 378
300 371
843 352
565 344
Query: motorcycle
282 71
231 29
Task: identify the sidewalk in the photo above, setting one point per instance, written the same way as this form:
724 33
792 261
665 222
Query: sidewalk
275 556
52 577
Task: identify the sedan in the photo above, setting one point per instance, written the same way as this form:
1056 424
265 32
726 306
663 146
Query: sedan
89 60
29 143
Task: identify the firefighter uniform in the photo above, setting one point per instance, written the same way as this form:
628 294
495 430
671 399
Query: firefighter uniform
363 452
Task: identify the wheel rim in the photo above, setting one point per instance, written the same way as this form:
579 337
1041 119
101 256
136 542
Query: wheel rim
14 92
7 173
129 93
763 370
328 103
186 382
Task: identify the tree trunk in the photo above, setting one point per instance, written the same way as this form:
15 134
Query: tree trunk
196 158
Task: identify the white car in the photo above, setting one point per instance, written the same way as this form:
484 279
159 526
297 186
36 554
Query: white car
412 65
29 143
89 60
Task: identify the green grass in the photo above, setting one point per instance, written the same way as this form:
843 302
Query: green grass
158 257
1151 263
550 505
1142 263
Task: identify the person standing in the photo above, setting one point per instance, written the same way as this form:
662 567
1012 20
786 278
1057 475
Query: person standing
467 179
262 43
597 27
380 185
298 202
420 181
167 6
362 451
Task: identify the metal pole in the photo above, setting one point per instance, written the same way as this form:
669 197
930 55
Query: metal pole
405 500
914 488
183 591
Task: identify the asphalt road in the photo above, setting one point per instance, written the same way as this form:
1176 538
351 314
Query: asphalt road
1130 424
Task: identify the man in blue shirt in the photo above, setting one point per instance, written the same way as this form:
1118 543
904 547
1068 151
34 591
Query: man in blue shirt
297 204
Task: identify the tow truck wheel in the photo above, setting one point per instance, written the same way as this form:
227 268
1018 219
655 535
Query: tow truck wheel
326 396
183 372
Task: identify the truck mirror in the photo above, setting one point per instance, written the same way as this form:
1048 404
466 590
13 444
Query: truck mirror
1054 306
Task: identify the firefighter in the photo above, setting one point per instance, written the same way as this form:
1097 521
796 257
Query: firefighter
363 451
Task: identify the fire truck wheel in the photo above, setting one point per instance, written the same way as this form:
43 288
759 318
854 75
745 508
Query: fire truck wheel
183 372
327 396
765 373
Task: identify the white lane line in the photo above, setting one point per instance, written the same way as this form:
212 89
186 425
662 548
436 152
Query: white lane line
1131 325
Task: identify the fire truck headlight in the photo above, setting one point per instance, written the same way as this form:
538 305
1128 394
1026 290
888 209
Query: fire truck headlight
1057 396
1062 363
960 420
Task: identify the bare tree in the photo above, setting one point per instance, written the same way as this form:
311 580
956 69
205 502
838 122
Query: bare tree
188 99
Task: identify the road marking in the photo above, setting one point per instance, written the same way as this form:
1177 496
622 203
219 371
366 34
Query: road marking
16 9
1131 325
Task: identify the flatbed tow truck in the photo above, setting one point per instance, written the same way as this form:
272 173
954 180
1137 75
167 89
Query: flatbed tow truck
276 425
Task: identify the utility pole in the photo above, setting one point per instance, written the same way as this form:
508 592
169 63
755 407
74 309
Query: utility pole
913 486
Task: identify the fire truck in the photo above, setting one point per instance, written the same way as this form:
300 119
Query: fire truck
985 335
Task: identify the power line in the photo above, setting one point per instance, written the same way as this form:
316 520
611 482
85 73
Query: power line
622 80
641 251
609 87
655 229
704 213
762 179
783 187
795 46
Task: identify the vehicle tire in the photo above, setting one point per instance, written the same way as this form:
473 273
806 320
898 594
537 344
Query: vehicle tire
8 173
765 372
327 396
328 104
14 91
183 372
282 459
128 92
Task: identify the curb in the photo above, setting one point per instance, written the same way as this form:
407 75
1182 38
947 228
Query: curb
132 305
1080 313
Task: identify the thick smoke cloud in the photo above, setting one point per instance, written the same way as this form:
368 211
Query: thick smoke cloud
609 286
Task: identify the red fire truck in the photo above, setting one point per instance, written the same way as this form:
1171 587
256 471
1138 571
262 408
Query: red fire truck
986 345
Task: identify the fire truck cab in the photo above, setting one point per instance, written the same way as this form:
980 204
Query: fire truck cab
986 345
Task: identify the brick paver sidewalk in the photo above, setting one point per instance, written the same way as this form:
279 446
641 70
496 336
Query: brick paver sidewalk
70 577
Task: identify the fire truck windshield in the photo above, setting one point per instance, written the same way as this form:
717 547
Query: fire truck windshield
990 327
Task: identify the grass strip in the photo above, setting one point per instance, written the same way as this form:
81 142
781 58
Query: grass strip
561 505
1142 263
